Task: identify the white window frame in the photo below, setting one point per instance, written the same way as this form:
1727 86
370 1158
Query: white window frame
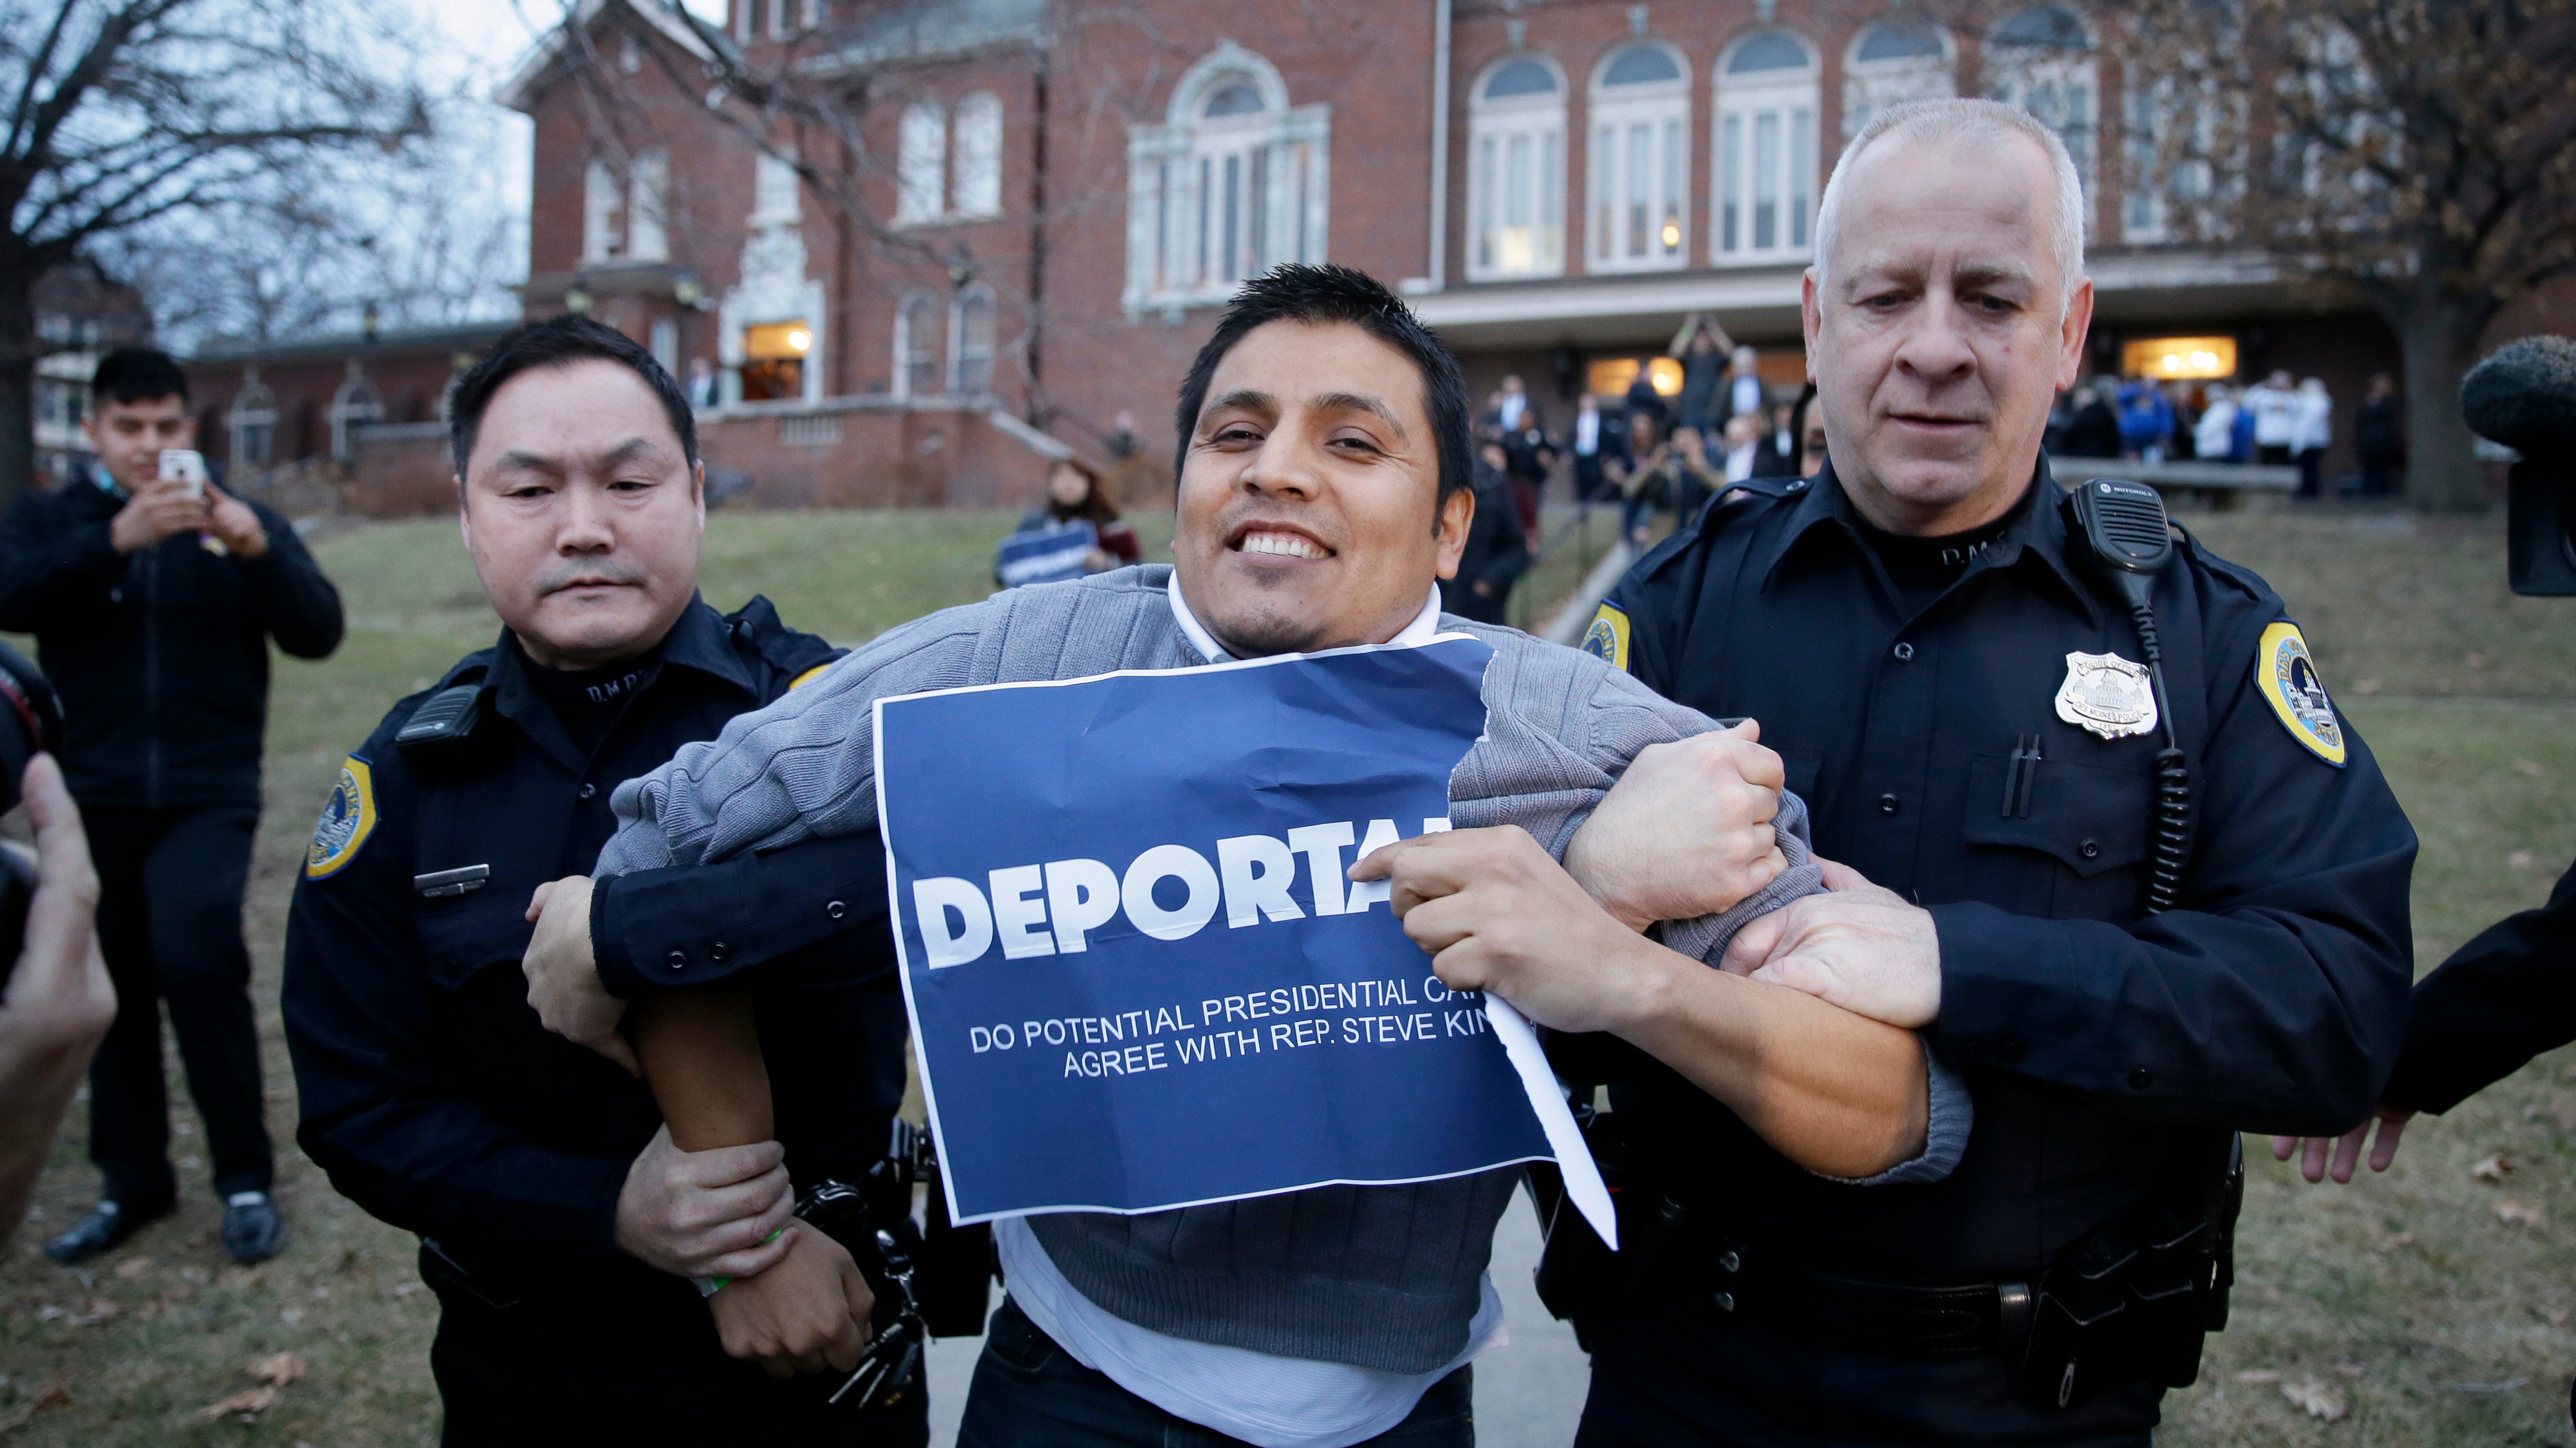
1179 225
914 344
648 206
253 411
921 164
1870 86
2061 86
975 130
355 404
1638 137
602 209
964 353
1765 124
1516 177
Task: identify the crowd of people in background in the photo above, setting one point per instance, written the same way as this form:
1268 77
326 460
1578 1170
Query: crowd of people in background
2277 422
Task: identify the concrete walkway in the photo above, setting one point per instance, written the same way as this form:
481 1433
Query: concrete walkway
1529 1392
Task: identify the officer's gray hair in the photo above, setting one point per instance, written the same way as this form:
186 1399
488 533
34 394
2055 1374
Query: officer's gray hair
1965 120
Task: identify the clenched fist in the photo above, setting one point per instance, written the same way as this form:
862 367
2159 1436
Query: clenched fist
1686 831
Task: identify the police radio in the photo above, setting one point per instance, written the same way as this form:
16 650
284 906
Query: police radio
2124 529
31 722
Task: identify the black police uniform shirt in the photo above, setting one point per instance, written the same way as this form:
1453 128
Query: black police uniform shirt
432 1094
2107 1050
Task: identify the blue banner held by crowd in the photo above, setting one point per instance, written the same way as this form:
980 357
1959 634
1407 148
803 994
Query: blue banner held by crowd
1138 978
1049 554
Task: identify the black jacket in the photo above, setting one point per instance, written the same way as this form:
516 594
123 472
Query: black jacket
162 657
1497 552
2500 1000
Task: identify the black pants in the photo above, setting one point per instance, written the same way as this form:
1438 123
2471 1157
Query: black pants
1029 1392
169 922
599 1381
1687 1377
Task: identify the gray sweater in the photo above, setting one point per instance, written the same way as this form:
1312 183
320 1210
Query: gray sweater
1382 1277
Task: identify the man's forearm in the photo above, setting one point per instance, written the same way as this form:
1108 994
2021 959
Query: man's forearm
701 1056
1834 1092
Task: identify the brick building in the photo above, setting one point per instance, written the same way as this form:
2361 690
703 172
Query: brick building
1007 222
311 400
81 312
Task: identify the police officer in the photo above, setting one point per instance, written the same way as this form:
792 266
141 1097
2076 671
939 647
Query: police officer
1961 692
561 1218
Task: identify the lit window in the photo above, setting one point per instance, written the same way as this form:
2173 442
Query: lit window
1233 183
774 355
979 155
1516 172
2180 358
970 349
921 157
1640 159
1765 185
648 190
916 348
2041 59
1893 61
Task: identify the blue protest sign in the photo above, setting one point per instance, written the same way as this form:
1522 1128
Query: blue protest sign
1050 554
1137 977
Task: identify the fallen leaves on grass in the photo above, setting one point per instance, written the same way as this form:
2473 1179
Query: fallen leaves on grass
100 1310
2519 1214
2395 1240
2554 1316
249 1404
2492 1169
133 1266
2258 1376
2525 766
278 1369
2315 1399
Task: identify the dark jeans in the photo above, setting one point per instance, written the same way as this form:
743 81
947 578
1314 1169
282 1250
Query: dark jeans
169 923
1029 1392
585 1384
1687 1378
2312 463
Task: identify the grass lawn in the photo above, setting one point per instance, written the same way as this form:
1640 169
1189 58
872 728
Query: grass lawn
2429 1316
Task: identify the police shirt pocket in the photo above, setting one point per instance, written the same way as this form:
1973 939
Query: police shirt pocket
1800 768
461 938
2091 818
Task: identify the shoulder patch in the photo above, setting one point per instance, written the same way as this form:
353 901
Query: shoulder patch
807 677
1607 639
2287 677
348 817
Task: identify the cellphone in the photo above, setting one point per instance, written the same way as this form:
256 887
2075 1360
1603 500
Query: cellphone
188 465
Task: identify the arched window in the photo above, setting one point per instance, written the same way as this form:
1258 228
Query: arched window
970 342
2041 59
1233 183
921 163
1516 171
354 405
917 334
253 423
1640 159
1764 189
1903 59
979 155
648 192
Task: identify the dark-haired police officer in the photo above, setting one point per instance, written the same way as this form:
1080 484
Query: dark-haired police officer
1960 696
561 1226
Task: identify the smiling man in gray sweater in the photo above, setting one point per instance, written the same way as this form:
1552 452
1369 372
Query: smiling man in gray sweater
1322 493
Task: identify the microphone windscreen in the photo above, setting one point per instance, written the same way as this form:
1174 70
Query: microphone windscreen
2524 396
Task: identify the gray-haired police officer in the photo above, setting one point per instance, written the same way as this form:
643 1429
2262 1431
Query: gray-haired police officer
560 1224
1963 696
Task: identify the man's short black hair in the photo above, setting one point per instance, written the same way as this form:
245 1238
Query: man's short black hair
1323 295
558 342
138 374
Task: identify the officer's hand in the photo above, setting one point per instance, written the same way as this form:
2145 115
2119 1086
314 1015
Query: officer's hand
1859 946
159 509
706 1213
2347 1147
234 524
1686 831
805 1314
1496 913
563 975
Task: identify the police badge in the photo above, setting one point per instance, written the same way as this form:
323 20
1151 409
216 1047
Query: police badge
2108 695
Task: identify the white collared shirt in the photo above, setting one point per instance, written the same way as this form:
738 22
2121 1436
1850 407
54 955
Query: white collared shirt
1587 433
1261 1398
